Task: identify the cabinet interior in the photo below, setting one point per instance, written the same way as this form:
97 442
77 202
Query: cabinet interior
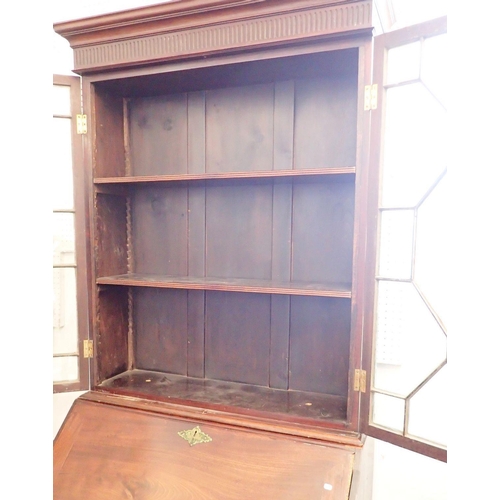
224 226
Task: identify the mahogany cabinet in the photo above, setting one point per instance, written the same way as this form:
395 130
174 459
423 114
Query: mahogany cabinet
227 178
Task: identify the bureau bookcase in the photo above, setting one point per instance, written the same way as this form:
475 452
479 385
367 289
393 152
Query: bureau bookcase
225 222
227 179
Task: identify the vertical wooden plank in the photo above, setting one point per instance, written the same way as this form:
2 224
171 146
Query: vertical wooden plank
325 122
237 337
196 133
279 350
161 330
196 231
284 102
239 231
159 230
196 334
282 231
323 225
239 134
280 305
319 344
158 135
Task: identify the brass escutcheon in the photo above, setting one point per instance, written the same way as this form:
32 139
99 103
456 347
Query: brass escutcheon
195 436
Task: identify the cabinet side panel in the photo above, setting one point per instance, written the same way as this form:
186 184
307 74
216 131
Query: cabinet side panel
158 135
111 342
323 230
159 230
239 231
111 235
319 344
325 122
237 337
161 330
239 128
109 151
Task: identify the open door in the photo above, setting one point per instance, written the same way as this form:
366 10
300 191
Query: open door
405 333
70 238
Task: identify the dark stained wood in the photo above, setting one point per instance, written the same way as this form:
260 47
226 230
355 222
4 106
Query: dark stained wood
336 432
237 337
331 60
325 122
109 135
161 329
111 333
111 256
304 173
239 128
196 133
196 231
312 289
239 231
280 341
319 344
284 108
166 34
362 190
196 333
282 232
159 230
322 232
128 453
298 407
158 135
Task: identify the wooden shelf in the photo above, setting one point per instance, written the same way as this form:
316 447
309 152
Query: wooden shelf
214 394
264 174
339 290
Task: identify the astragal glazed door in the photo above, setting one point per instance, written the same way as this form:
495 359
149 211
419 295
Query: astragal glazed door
405 323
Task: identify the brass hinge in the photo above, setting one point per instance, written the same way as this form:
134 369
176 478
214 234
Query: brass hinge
88 348
81 124
371 96
360 380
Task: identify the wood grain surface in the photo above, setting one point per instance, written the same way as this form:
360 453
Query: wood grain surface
104 453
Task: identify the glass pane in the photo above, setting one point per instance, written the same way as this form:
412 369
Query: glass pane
396 244
404 321
432 251
414 149
63 238
62 164
408 13
61 100
65 326
403 63
434 66
65 369
388 412
431 425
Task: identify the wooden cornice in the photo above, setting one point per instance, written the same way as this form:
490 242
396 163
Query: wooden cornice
195 28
